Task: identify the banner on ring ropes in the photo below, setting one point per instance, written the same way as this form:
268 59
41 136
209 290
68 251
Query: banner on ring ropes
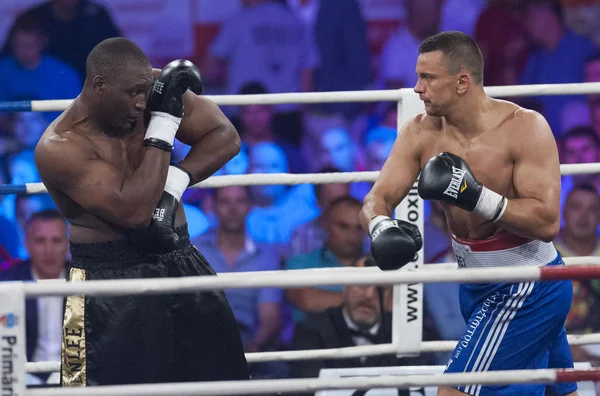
12 338
407 314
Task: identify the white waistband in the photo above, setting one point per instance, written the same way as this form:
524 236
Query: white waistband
534 253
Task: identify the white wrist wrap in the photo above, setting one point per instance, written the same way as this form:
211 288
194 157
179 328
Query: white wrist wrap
162 126
488 205
374 221
177 182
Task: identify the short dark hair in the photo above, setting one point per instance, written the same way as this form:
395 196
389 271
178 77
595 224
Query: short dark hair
111 55
585 187
245 188
347 199
581 132
45 215
319 187
460 51
26 23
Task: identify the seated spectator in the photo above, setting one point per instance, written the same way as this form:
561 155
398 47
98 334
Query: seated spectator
73 28
578 146
378 146
579 237
278 209
47 247
592 74
25 207
257 125
336 149
559 57
265 42
441 301
311 235
29 73
400 52
357 320
342 248
230 249
500 34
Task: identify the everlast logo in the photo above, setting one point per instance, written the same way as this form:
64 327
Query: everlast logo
8 358
454 186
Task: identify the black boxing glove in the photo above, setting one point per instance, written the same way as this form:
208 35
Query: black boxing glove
166 102
161 230
447 178
394 243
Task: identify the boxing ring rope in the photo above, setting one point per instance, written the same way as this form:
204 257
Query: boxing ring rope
303 278
544 376
286 178
334 97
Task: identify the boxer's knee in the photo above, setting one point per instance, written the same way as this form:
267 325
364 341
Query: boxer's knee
447 391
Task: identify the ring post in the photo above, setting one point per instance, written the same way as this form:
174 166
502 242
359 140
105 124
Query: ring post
407 309
12 338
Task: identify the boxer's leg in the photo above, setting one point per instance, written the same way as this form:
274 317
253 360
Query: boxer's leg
208 346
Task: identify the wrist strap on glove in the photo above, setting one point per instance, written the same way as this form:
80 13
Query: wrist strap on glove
161 130
177 181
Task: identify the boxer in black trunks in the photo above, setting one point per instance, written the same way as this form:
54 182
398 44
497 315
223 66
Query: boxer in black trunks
105 162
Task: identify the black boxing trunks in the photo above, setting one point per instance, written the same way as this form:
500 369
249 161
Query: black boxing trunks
147 339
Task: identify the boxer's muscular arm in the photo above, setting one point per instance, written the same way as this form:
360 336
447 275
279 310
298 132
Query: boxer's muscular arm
535 213
396 177
212 137
70 166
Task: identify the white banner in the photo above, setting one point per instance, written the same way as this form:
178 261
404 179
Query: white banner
407 315
12 338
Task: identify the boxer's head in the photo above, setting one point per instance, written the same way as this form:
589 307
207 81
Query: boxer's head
118 81
47 243
449 67
232 205
361 302
582 212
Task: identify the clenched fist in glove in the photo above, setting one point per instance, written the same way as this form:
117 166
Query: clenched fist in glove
394 243
162 225
447 178
166 102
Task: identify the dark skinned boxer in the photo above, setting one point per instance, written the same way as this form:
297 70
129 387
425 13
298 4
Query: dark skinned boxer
106 163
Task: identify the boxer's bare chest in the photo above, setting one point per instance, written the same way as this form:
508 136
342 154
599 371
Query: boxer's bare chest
490 155
124 154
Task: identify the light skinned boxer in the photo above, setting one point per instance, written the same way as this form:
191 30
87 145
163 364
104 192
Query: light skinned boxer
494 167
105 162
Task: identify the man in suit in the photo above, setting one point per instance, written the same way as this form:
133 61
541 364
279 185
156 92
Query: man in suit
358 321
47 245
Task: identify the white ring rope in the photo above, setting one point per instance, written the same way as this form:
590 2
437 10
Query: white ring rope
544 376
314 178
334 353
284 279
359 96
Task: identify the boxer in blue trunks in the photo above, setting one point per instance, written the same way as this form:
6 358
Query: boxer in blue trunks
494 167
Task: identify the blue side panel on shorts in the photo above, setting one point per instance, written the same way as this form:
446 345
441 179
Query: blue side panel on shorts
514 327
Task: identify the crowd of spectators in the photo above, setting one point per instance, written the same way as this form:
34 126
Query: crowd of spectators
272 46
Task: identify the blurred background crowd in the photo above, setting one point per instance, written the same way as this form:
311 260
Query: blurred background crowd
272 46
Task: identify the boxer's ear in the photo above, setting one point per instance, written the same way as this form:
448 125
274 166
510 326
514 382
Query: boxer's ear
463 81
99 84
156 72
